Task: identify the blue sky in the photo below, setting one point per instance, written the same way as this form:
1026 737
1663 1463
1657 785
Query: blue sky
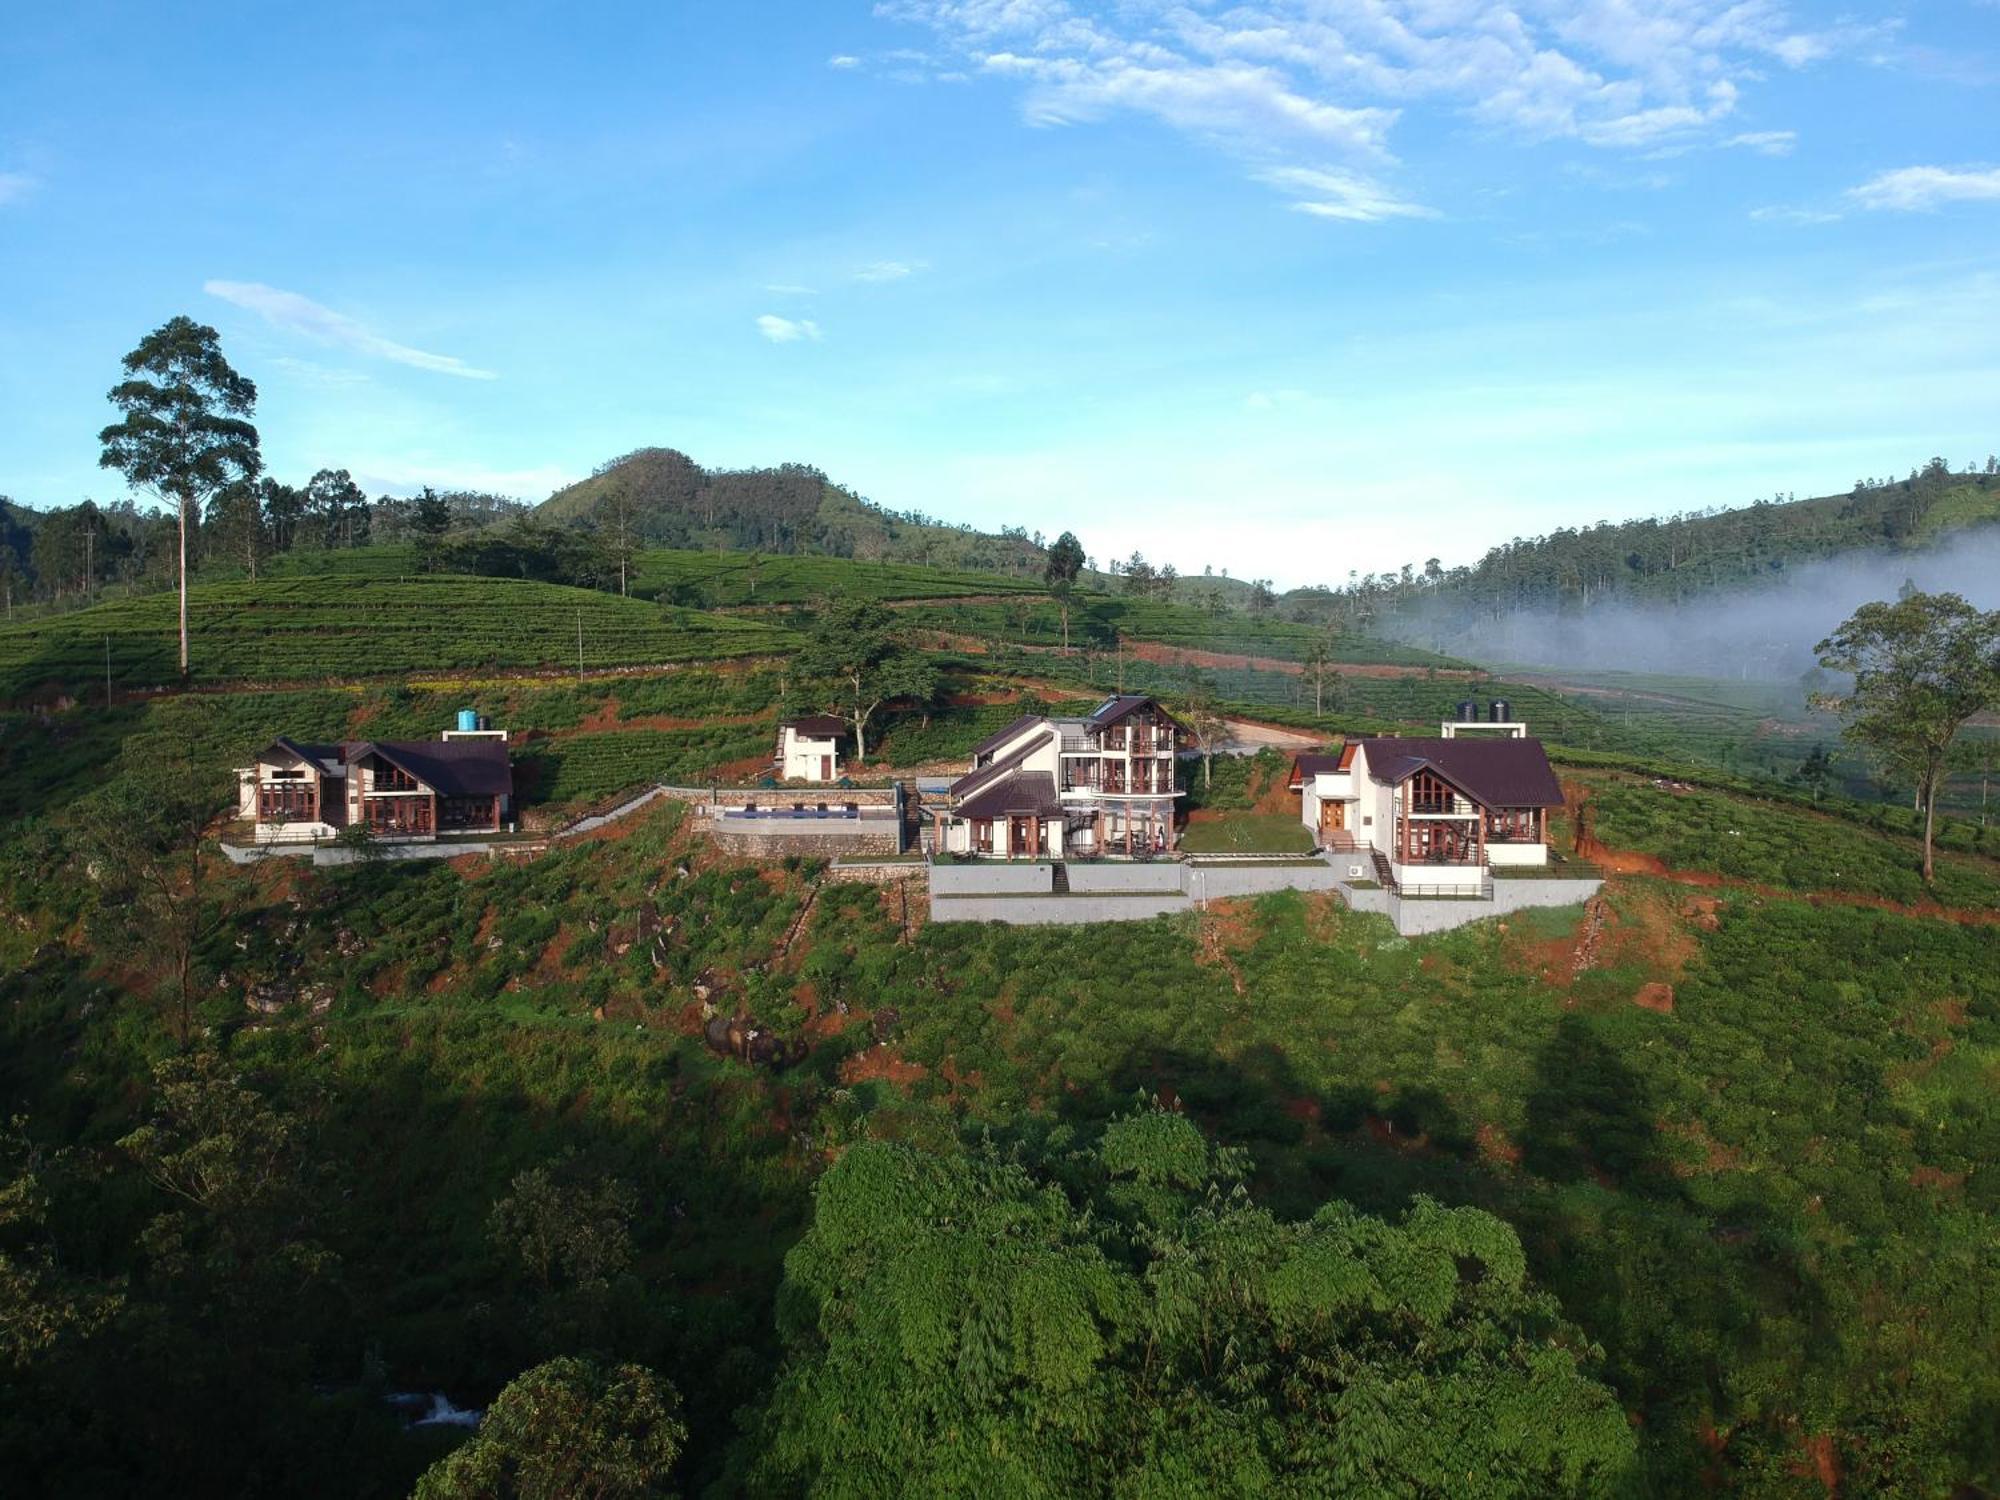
1285 288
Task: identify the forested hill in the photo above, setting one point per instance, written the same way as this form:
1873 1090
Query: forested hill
1671 558
670 500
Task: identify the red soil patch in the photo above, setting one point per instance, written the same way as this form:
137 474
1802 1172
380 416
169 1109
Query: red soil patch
1821 1462
1715 1157
1226 932
881 1062
1494 1147
1937 1177
1655 996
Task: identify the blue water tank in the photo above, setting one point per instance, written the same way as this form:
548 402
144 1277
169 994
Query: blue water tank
468 721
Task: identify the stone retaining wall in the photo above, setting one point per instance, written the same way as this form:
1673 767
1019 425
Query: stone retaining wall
751 840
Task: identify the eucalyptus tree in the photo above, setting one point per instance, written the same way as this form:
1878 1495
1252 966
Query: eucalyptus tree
185 433
1064 564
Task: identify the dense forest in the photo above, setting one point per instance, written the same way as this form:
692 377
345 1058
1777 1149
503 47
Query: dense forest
1671 558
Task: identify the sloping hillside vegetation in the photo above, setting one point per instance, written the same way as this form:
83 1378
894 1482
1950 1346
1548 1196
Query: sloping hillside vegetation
315 627
1746 1140
670 500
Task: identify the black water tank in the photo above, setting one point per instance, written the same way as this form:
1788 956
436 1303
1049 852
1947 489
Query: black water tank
1501 711
1468 711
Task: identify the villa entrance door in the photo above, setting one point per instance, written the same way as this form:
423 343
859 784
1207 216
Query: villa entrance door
1332 817
1021 835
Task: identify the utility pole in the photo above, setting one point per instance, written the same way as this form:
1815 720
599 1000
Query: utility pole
579 643
107 671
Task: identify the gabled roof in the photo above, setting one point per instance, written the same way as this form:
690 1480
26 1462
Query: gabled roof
817 726
1310 764
986 776
995 740
451 768
1031 792
1111 710
323 758
1494 773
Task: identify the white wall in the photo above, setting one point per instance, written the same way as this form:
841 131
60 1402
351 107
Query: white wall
1517 854
801 757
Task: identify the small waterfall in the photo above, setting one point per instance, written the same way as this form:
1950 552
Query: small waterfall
433 1409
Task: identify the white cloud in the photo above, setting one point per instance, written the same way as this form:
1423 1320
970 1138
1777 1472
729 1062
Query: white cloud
1912 189
292 313
790 289
843 60
787 330
14 186
889 270
1786 214
1766 142
1273 400
406 476
1329 194
1284 82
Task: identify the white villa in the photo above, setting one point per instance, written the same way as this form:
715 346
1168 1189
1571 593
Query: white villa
1434 813
809 748
1069 788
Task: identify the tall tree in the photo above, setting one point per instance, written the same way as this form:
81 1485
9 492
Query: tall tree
1922 667
1201 711
236 526
571 1429
1126 1321
854 648
186 431
618 515
430 519
1064 565
284 508
338 508
1319 657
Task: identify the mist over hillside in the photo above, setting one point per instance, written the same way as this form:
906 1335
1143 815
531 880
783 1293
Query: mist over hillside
1765 632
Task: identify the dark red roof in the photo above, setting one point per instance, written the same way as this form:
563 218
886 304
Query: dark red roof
1111 710
1023 792
985 776
451 768
818 726
995 740
1314 765
1494 773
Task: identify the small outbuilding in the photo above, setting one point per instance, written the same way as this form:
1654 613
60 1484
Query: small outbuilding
809 748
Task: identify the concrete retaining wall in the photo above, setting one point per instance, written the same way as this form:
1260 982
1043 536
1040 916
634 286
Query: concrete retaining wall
1047 910
784 796
884 872
1116 878
1413 917
991 878
1216 882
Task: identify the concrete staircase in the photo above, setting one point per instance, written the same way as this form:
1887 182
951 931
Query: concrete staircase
1059 878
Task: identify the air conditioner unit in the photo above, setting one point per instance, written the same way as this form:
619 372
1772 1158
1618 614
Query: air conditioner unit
1355 872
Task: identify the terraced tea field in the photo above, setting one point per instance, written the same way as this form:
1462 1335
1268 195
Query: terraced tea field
336 627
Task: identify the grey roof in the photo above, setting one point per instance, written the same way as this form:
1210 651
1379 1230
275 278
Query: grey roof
451 768
1494 773
1032 792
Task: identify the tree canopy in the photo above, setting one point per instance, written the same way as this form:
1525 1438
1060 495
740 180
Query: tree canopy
1922 667
1122 1319
186 433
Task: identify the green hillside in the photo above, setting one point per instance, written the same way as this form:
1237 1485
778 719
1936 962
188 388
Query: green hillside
313 627
669 500
1670 558
1744 1131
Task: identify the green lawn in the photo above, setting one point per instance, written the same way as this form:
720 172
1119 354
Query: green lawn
1248 833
